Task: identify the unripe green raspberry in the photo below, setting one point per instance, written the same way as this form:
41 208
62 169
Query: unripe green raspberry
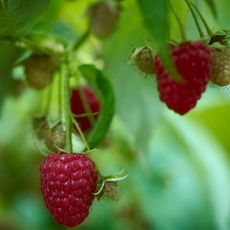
39 70
220 66
103 18
143 59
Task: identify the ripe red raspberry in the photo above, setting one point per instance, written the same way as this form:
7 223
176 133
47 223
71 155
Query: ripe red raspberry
91 105
193 62
68 182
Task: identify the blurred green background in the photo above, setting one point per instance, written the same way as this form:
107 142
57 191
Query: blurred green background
179 166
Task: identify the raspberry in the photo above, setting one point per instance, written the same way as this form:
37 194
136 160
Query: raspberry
103 18
221 66
39 70
194 64
83 100
68 182
143 59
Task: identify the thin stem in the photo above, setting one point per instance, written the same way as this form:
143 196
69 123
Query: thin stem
68 119
195 18
202 19
81 40
183 35
81 134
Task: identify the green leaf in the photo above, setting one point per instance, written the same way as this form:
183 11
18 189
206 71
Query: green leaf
212 7
157 21
17 17
156 18
107 104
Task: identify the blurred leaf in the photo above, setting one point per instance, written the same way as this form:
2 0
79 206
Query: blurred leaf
191 164
208 118
212 164
17 17
107 104
212 7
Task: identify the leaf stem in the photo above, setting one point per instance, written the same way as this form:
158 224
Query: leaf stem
195 18
183 35
68 119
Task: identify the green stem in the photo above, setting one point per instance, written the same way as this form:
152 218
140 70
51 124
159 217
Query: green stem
183 35
202 19
68 119
81 134
195 18
81 40
60 96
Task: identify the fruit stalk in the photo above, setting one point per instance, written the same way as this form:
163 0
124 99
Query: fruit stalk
68 120
60 96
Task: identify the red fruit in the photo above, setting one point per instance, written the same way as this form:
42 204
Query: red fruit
83 100
193 62
68 182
